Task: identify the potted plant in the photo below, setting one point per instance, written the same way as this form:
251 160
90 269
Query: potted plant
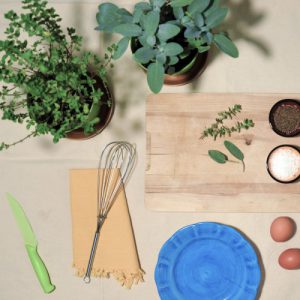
170 39
47 81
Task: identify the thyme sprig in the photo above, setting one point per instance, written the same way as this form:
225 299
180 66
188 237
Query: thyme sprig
219 129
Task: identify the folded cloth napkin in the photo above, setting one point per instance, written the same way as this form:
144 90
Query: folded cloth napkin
116 253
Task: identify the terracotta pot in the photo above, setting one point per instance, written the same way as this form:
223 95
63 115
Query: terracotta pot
190 72
104 112
193 66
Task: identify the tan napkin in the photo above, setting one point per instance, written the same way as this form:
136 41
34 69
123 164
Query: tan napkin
116 252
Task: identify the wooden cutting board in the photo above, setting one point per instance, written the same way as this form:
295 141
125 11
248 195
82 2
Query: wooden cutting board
181 177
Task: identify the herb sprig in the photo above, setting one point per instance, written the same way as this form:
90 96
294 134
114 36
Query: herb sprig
219 129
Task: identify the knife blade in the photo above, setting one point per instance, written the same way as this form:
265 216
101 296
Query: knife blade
31 244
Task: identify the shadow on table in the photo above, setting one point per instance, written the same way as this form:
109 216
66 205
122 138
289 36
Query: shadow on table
129 92
242 17
260 260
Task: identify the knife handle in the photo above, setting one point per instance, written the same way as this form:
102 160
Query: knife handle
40 269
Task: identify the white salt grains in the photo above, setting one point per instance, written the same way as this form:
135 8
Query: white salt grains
284 163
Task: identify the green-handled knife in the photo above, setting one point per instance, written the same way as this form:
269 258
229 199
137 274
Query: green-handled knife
31 245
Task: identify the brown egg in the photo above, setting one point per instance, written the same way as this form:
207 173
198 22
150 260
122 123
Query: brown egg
282 229
290 259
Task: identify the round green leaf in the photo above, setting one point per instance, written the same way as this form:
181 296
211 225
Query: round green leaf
155 76
218 156
226 45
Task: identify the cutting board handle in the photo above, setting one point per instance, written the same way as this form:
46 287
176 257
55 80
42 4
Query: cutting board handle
148 148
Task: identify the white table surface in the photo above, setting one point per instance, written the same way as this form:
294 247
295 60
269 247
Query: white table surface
36 172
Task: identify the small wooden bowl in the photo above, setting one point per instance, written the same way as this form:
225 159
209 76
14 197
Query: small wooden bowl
283 102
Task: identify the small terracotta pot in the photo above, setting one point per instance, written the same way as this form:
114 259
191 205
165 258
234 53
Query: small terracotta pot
195 70
105 114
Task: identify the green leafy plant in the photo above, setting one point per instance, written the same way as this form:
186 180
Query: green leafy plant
46 80
164 33
222 158
219 129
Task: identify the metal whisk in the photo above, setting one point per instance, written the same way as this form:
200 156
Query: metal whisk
116 157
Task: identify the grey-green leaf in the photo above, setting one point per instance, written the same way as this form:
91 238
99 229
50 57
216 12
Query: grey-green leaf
121 47
198 6
226 45
144 6
108 17
151 41
155 76
137 14
181 3
216 17
144 55
172 49
178 12
173 60
129 30
199 20
191 33
218 156
234 150
167 31
161 57
151 22
213 6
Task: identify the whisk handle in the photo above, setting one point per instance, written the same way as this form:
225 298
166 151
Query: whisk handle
87 277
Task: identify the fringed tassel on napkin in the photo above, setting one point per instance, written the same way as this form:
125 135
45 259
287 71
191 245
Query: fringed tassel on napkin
125 278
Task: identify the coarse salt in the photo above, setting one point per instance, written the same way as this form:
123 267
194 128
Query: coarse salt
284 163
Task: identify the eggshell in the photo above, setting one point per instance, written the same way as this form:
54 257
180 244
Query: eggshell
282 229
290 259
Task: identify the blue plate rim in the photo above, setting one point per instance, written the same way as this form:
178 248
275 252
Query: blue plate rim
248 242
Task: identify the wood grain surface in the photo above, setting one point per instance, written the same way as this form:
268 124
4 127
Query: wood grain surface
181 177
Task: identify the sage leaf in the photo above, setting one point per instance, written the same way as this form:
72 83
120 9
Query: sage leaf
181 3
121 47
226 45
155 76
129 30
167 31
173 60
144 6
108 17
178 13
212 7
199 20
216 17
198 6
218 156
172 49
143 55
235 151
151 22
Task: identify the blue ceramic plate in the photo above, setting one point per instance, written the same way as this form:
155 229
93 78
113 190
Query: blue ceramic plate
207 261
